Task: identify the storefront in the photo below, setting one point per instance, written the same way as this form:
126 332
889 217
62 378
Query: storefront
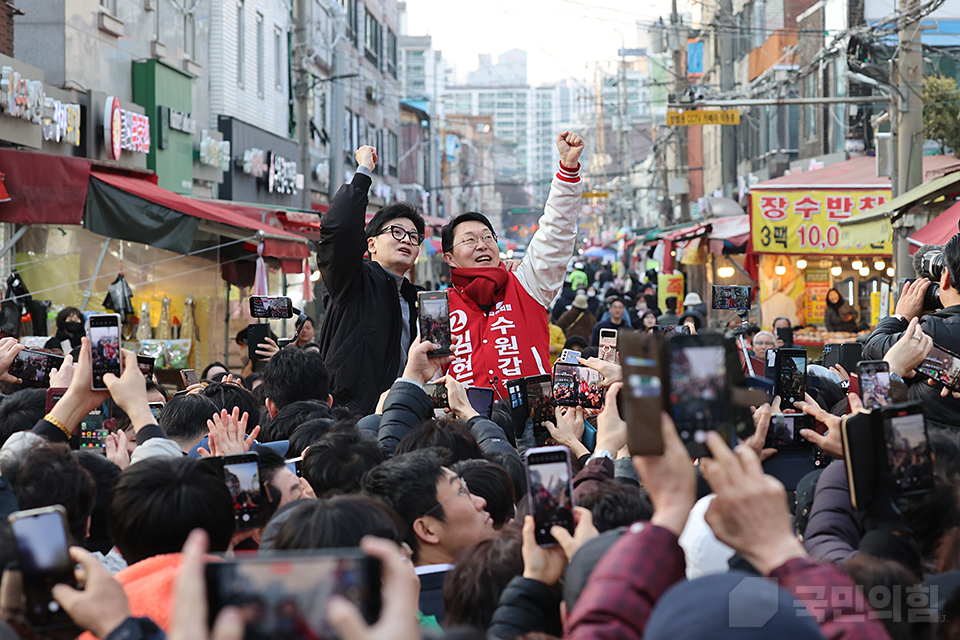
265 167
800 249
165 92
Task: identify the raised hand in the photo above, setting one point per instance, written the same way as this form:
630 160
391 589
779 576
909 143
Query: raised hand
670 479
228 434
367 157
570 146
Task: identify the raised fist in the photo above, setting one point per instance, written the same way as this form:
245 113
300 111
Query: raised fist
570 146
367 157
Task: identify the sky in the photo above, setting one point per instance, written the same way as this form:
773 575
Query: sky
562 38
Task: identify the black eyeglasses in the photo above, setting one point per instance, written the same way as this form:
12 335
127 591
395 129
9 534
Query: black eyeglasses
463 491
399 233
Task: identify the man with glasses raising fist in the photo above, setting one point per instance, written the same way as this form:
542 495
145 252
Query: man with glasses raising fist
497 322
371 314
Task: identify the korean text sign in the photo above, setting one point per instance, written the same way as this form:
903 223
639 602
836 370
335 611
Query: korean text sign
808 221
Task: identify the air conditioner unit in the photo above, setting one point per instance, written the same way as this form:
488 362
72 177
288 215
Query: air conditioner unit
373 94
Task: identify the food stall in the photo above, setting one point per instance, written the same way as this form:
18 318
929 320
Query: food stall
799 250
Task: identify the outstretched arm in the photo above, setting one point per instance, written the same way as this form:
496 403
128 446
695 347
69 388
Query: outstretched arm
542 270
342 239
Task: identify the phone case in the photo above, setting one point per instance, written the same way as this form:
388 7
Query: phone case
860 455
643 396
256 333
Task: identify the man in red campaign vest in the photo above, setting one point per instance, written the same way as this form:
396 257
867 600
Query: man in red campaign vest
497 320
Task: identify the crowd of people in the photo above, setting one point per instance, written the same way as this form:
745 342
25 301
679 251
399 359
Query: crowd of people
352 453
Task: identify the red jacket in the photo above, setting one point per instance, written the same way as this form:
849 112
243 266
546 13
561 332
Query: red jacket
513 340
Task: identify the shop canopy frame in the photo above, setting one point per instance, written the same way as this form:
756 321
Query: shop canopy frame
49 189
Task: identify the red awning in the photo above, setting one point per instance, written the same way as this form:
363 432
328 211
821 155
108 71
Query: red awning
277 243
939 230
687 233
43 188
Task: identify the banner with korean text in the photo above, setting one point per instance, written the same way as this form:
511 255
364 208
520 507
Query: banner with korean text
807 221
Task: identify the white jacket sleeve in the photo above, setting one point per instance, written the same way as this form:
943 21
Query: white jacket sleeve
543 268
156 448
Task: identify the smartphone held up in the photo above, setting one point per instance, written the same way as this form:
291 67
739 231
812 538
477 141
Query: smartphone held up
434 317
550 488
103 331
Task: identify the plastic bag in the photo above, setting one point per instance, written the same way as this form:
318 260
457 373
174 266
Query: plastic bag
119 298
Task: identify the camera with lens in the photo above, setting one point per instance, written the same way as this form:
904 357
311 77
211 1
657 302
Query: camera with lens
928 263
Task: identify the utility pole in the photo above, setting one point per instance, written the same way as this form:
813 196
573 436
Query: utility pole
433 147
678 31
301 91
623 141
728 133
337 108
909 125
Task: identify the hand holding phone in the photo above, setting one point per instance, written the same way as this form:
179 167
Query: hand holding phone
103 331
42 539
608 345
434 318
550 489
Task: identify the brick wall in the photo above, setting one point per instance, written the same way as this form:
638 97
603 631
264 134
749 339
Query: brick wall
7 11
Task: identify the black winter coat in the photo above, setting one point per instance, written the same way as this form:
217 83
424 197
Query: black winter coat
361 332
525 606
944 327
408 405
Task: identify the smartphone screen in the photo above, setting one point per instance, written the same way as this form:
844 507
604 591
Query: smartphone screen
784 431
286 595
438 394
540 399
156 408
908 449
481 399
104 334
731 296
550 484
242 474
33 367
874 378
565 384
642 394
608 345
93 434
271 307
791 381
698 390
434 315
943 367
42 545
146 364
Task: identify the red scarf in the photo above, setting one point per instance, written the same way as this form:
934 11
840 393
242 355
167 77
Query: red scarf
483 285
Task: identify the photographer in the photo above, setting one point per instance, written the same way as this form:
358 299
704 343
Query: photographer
934 268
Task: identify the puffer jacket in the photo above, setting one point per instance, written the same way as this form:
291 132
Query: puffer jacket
944 327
